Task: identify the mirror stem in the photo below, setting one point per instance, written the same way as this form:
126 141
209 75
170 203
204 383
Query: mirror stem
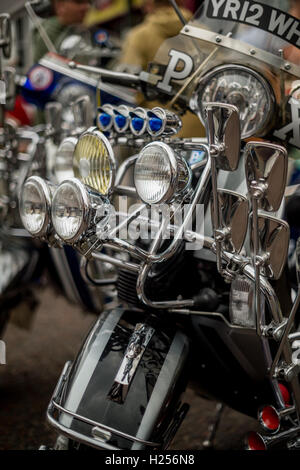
216 214
256 264
178 12
213 154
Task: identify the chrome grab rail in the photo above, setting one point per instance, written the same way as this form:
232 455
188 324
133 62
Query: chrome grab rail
53 405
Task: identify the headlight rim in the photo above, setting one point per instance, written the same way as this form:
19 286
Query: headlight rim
82 190
257 75
174 173
94 131
45 186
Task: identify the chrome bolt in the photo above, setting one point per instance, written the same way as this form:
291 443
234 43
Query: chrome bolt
252 51
218 39
287 66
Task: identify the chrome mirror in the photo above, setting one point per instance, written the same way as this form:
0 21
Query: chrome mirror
266 173
224 134
5 35
83 112
274 236
234 212
298 261
53 116
9 78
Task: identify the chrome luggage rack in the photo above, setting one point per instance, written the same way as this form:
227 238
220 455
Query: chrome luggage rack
55 405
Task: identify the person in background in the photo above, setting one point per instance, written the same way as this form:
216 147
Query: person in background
292 53
143 41
114 15
68 15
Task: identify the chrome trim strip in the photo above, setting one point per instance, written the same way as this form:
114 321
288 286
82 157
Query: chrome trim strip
102 426
241 47
78 437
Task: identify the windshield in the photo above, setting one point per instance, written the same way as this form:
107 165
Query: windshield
237 51
271 25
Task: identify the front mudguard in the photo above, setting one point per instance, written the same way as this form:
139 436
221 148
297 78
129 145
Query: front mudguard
94 404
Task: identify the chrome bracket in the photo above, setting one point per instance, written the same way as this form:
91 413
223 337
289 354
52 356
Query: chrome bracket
274 330
287 372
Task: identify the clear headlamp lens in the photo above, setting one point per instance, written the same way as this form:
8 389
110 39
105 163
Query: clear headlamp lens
159 174
244 88
94 162
63 166
34 205
69 210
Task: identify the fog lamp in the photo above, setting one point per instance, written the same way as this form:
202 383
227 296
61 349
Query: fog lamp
34 205
94 162
160 174
76 209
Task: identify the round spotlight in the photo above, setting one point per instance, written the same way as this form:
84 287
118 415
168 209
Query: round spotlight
34 206
94 162
105 120
138 123
162 121
243 87
160 174
76 209
122 118
105 117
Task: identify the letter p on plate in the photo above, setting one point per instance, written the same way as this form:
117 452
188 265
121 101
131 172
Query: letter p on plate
171 72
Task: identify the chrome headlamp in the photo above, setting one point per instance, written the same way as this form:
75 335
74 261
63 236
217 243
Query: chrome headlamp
160 174
242 87
94 162
35 206
63 164
76 209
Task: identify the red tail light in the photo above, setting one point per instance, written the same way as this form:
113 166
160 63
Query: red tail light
269 418
285 394
254 441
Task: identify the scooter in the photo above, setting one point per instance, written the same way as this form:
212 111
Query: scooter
202 275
